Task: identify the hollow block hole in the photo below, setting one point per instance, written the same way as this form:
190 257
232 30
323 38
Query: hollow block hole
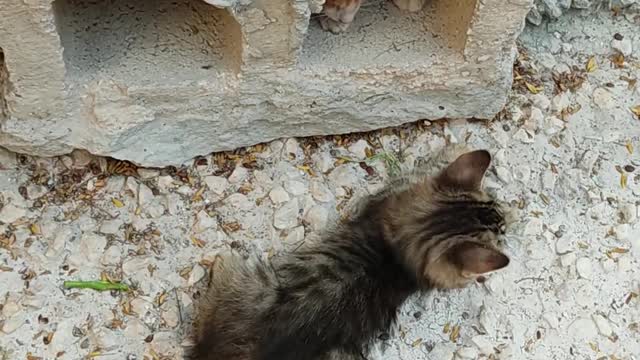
147 42
384 36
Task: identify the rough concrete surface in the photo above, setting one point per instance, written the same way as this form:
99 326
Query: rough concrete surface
159 82
569 161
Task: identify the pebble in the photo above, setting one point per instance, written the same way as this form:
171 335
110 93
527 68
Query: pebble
584 268
317 217
171 317
624 264
604 328
548 180
292 146
10 308
532 227
197 273
560 102
92 246
111 256
7 159
295 188
343 175
286 216
359 149
582 329
483 344
11 213
295 235
568 260
320 192
279 195
165 183
110 227
442 351
205 222
541 101
524 136
503 174
624 46
145 195
61 237
13 323
564 245
628 213
535 121
217 184
135 265
323 161
240 201
239 174
522 174
603 98
467 353
81 158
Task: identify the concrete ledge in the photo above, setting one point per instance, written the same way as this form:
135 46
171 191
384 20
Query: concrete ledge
159 82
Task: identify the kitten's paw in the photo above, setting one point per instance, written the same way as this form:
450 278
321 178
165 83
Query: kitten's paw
335 27
409 5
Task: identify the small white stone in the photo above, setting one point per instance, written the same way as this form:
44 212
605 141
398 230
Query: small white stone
582 329
532 227
8 159
239 174
623 232
10 308
317 217
624 46
240 201
140 306
322 161
541 101
603 98
165 183
11 213
217 184
551 319
81 158
442 351
13 323
534 122
343 175
320 192
155 209
286 216
35 191
111 256
197 273
171 317
278 195
295 235
359 149
292 147
145 195
584 268
628 213
467 353
560 102
483 344
135 265
92 246
60 239
588 161
548 180
624 264
568 259
110 227
204 222
604 328
522 174
295 188
523 136
503 174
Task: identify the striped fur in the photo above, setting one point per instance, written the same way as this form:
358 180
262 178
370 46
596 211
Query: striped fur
332 298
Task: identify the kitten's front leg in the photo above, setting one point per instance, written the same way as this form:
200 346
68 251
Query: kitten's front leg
335 27
409 5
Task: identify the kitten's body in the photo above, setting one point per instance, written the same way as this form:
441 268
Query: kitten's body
332 298
339 14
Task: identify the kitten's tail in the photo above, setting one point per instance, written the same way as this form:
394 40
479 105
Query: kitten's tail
226 317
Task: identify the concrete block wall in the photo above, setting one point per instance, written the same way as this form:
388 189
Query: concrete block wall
158 82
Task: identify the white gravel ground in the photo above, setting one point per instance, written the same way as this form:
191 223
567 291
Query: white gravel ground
571 291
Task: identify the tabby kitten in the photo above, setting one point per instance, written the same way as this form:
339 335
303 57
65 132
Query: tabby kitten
332 298
339 14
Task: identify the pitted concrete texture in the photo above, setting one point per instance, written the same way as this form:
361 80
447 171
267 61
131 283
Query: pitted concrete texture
159 82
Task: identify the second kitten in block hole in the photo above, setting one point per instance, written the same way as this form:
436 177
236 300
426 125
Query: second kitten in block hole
337 15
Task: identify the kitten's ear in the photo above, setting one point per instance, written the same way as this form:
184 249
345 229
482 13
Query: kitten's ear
474 259
466 172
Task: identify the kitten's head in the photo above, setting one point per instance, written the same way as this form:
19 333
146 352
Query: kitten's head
342 11
447 229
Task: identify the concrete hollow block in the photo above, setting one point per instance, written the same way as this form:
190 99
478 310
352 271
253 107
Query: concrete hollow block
158 82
